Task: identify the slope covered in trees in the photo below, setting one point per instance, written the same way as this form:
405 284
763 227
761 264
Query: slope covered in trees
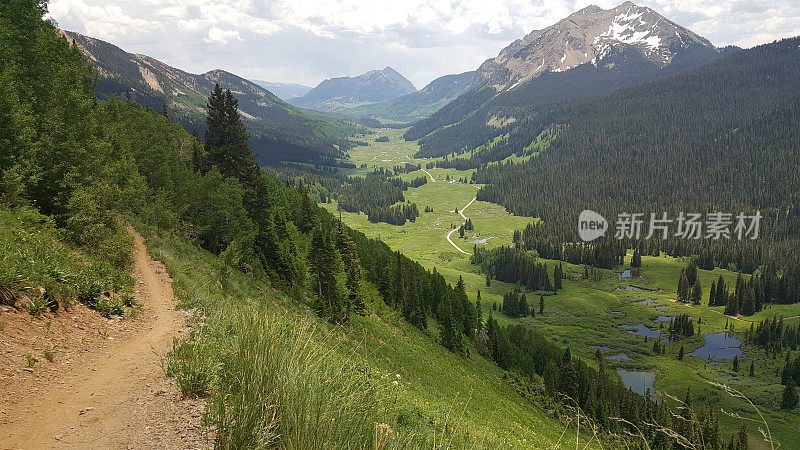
466 122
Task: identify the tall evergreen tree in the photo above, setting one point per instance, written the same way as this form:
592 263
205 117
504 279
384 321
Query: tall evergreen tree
683 287
697 292
691 272
226 138
328 278
789 399
478 311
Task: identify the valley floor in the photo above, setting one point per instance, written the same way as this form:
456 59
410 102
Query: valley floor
593 313
105 387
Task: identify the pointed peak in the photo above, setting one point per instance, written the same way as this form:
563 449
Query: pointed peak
591 9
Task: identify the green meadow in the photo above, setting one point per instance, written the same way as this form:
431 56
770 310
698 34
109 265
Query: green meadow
591 312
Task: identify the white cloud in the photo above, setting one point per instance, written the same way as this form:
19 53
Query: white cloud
308 40
222 36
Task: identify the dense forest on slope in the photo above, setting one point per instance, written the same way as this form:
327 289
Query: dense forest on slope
379 195
465 123
722 137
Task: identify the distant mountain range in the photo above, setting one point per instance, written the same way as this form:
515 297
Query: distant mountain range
278 130
335 94
588 54
416 105
284 91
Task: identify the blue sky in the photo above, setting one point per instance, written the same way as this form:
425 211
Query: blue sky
305 41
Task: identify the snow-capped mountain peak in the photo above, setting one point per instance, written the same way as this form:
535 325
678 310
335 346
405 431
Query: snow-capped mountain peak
588 36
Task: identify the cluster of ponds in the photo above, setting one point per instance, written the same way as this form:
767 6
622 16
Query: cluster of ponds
718 348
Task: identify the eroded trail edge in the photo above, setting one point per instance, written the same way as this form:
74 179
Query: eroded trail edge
111 394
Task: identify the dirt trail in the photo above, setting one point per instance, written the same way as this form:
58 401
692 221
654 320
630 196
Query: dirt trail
113 395
450 233
433 180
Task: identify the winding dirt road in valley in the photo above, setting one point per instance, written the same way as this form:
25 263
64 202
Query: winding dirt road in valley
433 180
450 233
108 391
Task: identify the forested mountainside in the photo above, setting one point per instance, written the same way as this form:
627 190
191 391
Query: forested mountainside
693 140
278 131
416 105
605 63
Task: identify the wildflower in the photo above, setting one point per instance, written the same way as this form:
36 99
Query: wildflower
394 383
398 375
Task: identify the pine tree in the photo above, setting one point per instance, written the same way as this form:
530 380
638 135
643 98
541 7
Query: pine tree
541 304
447 327
683 287
752 369
226 138
328 278
736 363
636 260
697 292
691 272
789 399
478 311
488 280
680 354
712 294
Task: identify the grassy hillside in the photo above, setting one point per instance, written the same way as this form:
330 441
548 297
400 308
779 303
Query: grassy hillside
427 395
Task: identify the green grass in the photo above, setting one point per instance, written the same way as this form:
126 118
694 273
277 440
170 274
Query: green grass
581 314
271 368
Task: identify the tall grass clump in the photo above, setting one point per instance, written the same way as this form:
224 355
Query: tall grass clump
279 387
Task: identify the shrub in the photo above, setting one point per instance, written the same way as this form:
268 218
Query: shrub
88 288
38 305
128 300
110 307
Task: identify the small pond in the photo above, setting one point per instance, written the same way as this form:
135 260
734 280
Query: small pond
637 381
620 357
627 274
480 241
600 347
722 345
641 330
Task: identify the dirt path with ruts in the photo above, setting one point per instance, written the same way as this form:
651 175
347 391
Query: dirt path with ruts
111 392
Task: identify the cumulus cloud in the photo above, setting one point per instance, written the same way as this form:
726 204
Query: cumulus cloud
308 40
